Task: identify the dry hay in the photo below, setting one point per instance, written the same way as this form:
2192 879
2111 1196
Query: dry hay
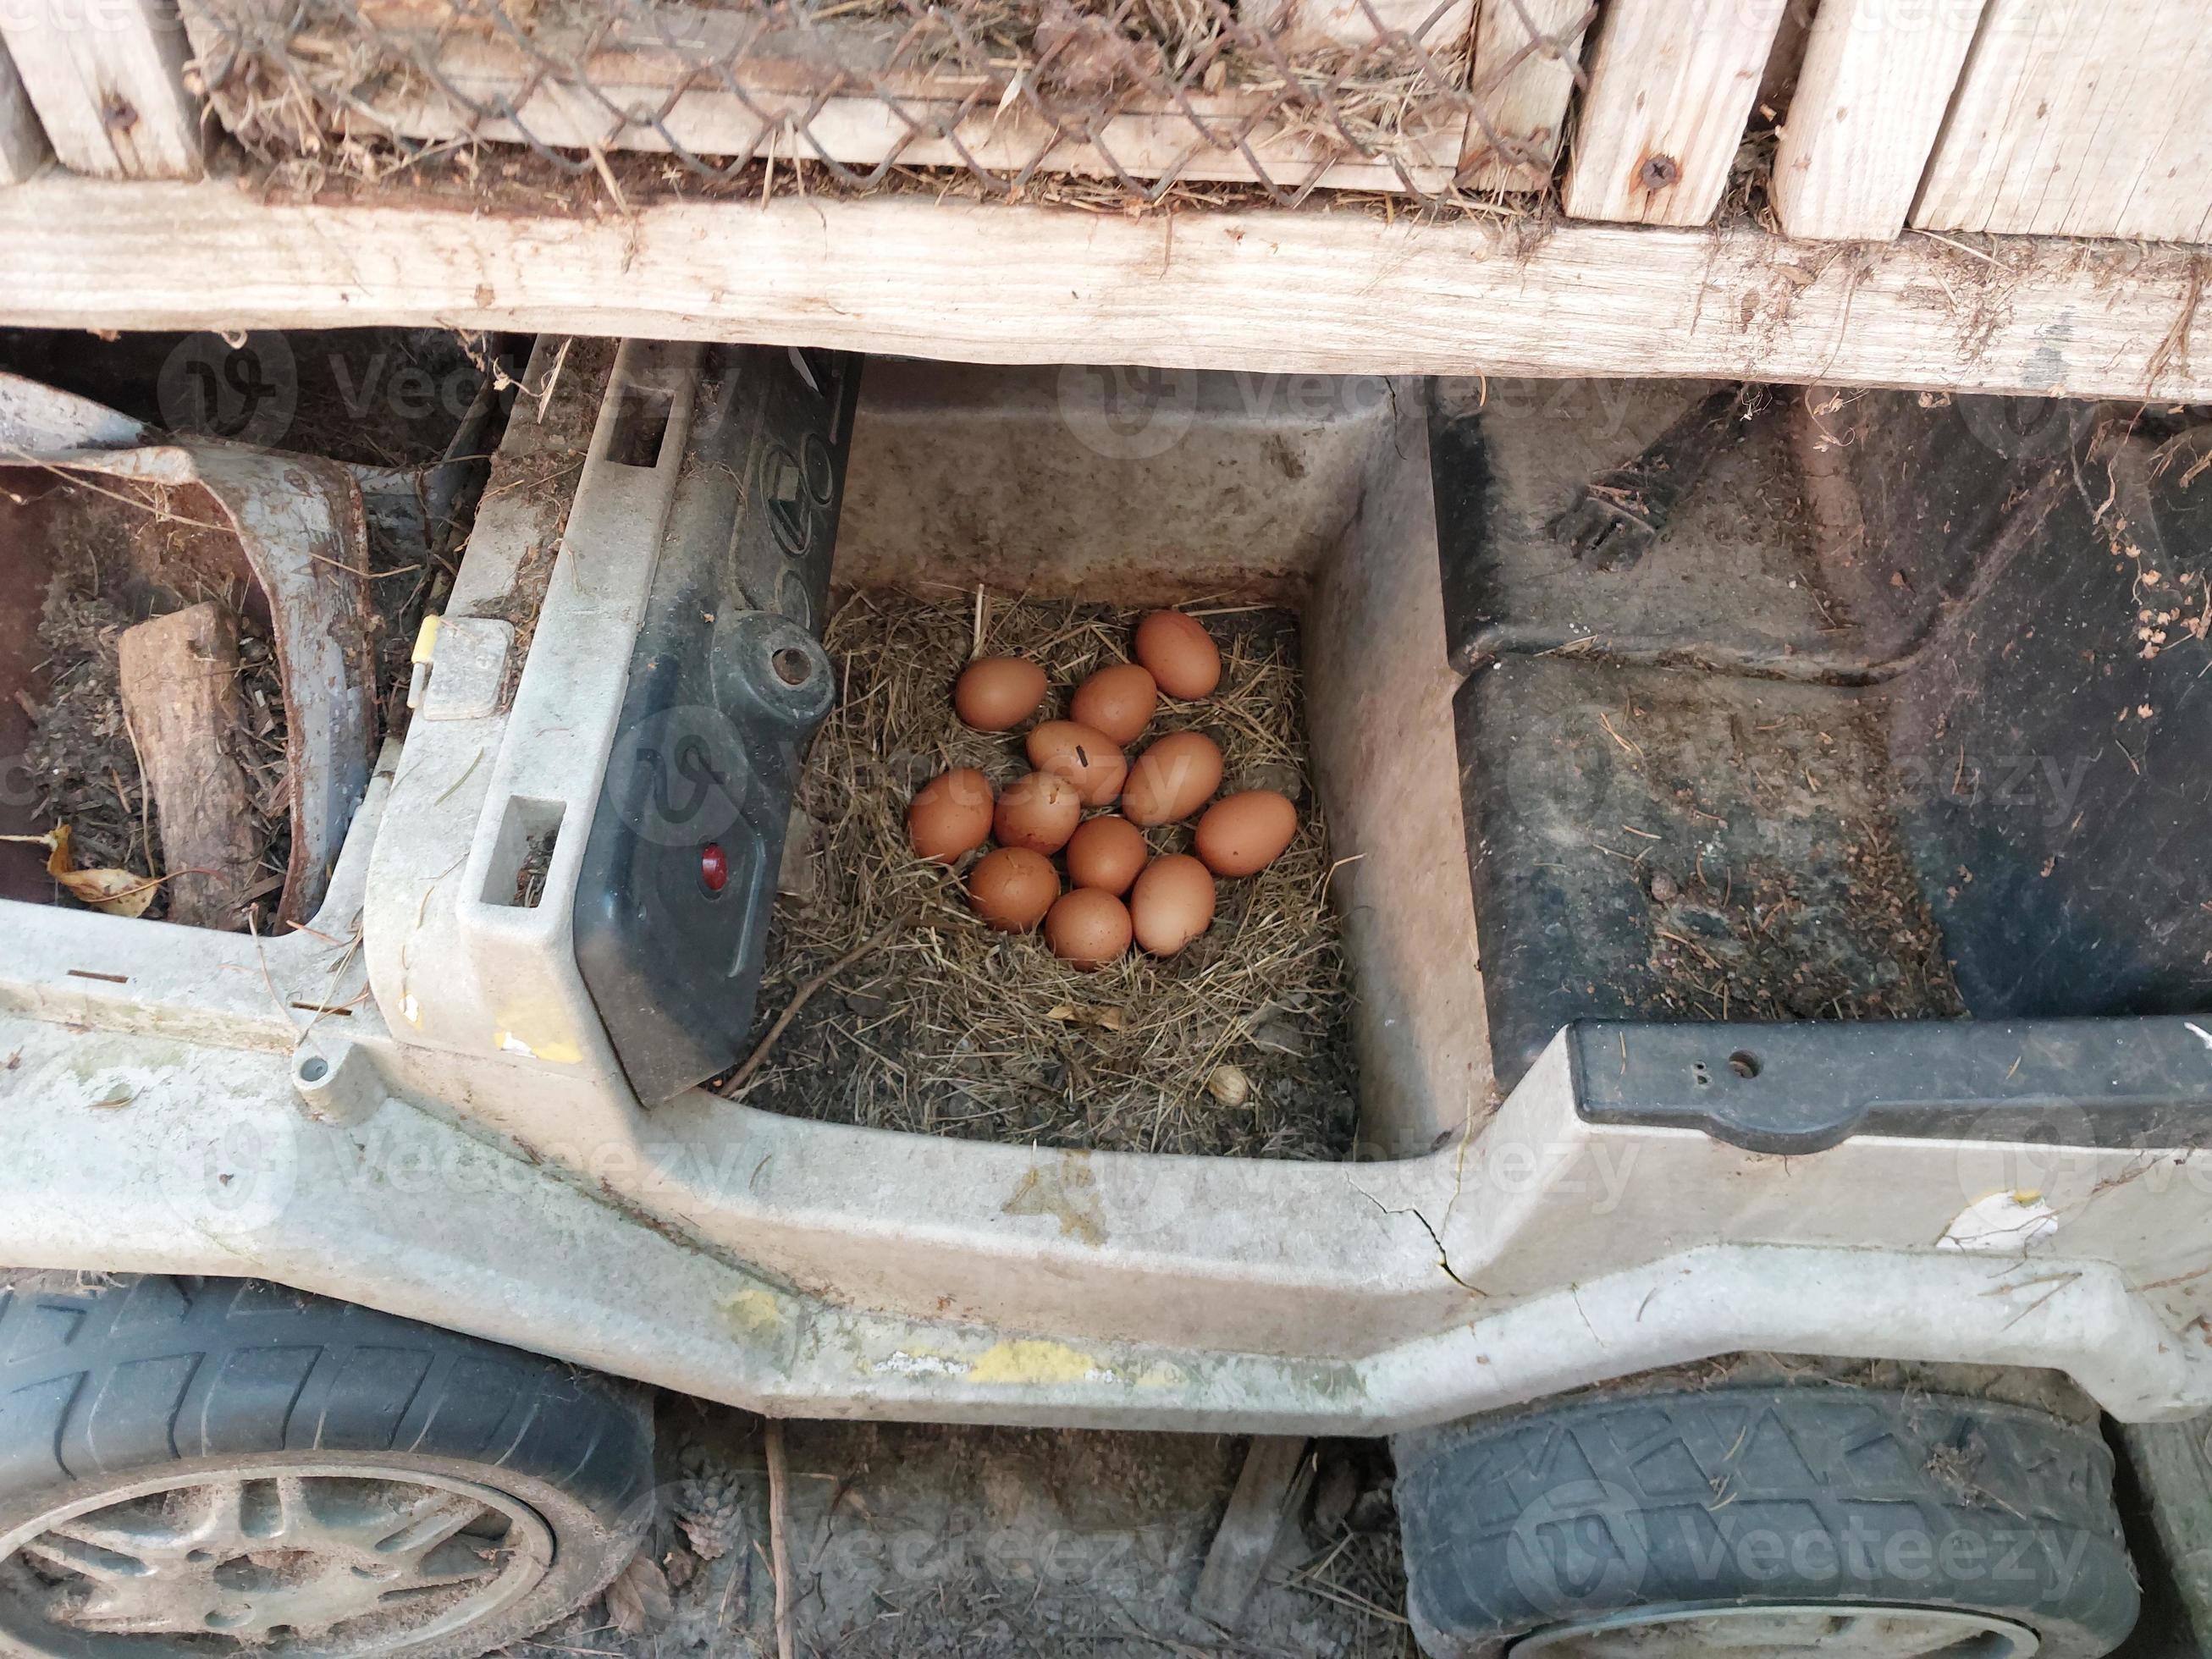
948 1028
516 179
328 85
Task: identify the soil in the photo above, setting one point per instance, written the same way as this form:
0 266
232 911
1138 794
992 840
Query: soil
944 1027
908 1541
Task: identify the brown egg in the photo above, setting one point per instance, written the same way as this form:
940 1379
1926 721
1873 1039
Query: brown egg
1241 835
1117 701
1085 755
996 694
1106 852
1181 653
1171 904
1087 927
950 816
1172 778
1012 888
1039 811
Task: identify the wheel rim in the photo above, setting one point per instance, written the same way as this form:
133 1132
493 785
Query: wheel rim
301 1560
1832 1632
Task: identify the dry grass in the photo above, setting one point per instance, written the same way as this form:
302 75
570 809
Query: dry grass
953 1028
324 85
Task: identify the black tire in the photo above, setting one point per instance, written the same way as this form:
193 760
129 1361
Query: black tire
109 1389
1821 1496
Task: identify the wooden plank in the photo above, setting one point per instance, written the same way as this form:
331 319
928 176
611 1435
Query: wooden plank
2080 118
179 680
1275 1477
1876 82
1344 292
108 80
22 140
1670 93
1523 77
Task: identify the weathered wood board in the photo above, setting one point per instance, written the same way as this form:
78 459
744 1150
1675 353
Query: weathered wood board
1670 93
2080 118
180 682
1871 96
1277 291
22 140
108 80
1521 89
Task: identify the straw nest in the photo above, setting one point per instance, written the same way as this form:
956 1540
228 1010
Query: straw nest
942 1026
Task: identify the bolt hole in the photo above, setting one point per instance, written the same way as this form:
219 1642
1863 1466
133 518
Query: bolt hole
793 667
1744 1063
1704 1077
314 1069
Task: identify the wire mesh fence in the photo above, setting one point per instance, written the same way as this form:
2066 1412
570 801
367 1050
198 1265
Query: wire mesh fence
1433 98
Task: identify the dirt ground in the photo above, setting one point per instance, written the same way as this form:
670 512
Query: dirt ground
908 1541
911 1541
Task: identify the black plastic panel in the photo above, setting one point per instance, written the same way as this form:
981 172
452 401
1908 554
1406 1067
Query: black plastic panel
1804 1088
1647 843
727 683
2051 732
1904 714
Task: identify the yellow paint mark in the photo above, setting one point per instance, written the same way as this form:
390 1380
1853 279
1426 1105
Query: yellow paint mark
1026 1363
1033 1361
757 1315
1066 1191
562 1051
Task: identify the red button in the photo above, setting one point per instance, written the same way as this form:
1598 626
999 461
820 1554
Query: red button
713 867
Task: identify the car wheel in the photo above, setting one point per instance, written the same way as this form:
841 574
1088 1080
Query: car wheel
213 1465
1819 1519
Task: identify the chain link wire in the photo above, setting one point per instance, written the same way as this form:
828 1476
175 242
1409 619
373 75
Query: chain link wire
1145 95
